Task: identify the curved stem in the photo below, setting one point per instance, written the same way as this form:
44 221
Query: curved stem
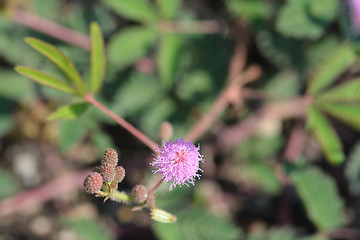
120 197
139 135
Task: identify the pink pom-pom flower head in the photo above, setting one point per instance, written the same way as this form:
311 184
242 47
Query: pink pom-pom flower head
178 162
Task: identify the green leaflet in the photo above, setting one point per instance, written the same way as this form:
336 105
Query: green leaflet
45 79
326 135
346 92
331 68
138 10
69 112
59 59
168 9
129 45
98 60
346 113
168 58
306 18
320 197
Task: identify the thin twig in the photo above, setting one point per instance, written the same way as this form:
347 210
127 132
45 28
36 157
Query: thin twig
50 28
191 27
134 131
58 187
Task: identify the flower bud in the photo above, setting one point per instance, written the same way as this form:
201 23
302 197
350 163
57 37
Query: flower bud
162 216
119 174
110 157
114 185
108 172
139 192
93 183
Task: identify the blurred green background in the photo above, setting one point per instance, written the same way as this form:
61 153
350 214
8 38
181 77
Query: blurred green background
271 172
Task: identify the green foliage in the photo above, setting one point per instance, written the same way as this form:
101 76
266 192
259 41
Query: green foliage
45 79
326 135
87 229
8 184
346 93
69 112
352 169
331 68
306 18
280 234
98 61
168 58
320 197
251 10
348 114
70 132
60 60
168 9
137 10
283 85
193 224
129 45
264 175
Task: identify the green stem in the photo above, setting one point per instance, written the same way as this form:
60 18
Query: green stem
120 197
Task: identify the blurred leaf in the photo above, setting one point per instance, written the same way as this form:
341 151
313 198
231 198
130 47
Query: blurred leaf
346 92
284 84
97 57
136 94
331 68
102 141
8 184
274 234
248 9
59 59
264 176
352 169
129 45
306 18
168 8
15 87
320 197
256 148
168 58
70 132
319 52
45 79
349 114
87 229
69 112
6 124
326 135
194 83
138 10
197 224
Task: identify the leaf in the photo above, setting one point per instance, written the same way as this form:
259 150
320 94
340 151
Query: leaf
87 229
264 176
129 45
285 84
70 132
306 18
352 169
194 223
14 86
168 58
168 8
8 184
59 59
251 10
137 10
320 197
346 92
69 112
346 113
326 136
98 61
45 79
331 68
274 234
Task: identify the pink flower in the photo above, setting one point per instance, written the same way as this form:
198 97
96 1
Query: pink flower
178 162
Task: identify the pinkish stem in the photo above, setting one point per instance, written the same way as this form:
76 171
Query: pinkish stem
139 135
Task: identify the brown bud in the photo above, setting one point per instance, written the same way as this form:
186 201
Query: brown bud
150 200
108 172
111 157
119 174
93 183
139 192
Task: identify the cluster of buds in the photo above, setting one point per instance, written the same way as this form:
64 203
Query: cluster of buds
107 176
